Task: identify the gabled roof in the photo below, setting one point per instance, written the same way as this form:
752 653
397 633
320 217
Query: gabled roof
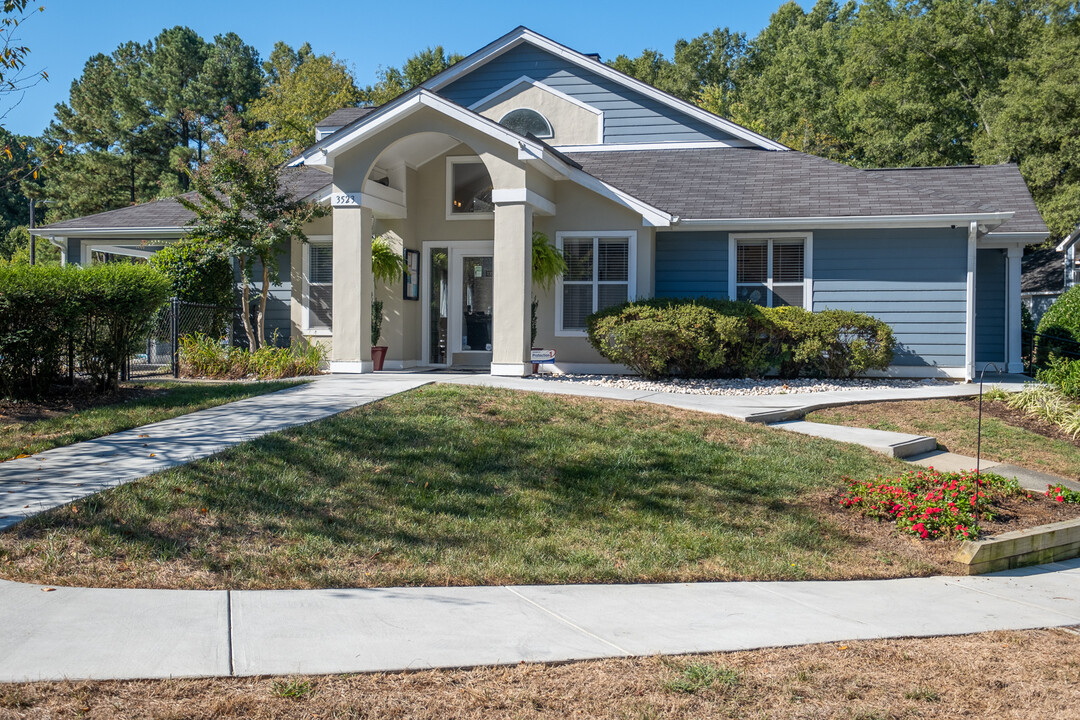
992 187
740 184
1043 271
522 34
167 216
342 117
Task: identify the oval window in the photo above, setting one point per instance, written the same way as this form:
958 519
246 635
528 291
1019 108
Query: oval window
524 121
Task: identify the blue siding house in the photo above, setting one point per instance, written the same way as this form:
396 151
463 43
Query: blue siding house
645 194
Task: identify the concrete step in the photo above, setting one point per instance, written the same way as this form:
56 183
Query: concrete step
894 444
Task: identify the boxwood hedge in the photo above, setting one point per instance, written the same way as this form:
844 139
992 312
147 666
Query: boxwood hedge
707 337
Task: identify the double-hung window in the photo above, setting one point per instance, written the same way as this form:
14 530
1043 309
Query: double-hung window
600 272
320 286
771 271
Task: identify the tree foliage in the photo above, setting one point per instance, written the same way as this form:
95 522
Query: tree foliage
245 207
303 89
418 68
887 83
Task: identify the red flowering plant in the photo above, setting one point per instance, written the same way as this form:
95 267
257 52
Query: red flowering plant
930 504
1062 494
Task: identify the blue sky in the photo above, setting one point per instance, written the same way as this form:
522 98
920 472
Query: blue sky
364 34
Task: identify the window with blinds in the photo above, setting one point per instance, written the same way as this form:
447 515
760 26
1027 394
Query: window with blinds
320 286
597 276
770 271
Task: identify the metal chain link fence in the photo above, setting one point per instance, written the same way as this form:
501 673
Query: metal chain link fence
158 355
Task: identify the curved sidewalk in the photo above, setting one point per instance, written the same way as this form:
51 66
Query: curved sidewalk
78 633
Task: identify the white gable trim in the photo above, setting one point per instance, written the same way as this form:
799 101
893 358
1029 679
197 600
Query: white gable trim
483 102
407 105
522 35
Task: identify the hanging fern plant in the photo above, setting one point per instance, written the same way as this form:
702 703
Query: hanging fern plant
547 265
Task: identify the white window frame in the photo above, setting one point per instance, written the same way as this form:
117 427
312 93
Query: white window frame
305 325
451 161
631 272
808 262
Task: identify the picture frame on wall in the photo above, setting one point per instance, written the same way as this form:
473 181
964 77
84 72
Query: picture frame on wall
412 275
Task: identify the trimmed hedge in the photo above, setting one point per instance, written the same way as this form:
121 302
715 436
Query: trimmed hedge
103 311
723 338
1060 321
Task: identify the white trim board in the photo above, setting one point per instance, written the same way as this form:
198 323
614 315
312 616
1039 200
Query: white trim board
521 35
842 221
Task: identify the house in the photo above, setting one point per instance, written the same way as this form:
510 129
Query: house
1048 272
645 194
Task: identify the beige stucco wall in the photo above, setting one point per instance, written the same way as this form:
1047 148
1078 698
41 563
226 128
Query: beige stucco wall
570 123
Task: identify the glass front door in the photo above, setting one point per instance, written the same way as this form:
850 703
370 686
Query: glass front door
460 295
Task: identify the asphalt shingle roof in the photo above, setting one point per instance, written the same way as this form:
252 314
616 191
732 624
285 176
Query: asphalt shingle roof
1043 271
997 187
169 213
714 183
342 117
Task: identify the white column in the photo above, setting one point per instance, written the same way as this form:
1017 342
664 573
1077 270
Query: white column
969 344
352 290
513 290
1013 350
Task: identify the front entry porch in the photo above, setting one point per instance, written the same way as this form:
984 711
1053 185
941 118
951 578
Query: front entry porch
459 303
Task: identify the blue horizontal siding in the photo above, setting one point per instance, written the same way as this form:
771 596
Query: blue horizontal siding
915 280
628 116
692 264
990 306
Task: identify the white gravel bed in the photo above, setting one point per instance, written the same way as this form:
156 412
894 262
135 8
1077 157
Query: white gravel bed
737 386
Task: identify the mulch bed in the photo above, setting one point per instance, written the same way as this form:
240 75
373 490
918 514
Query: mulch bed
65 399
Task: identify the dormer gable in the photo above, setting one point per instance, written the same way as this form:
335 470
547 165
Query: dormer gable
631 111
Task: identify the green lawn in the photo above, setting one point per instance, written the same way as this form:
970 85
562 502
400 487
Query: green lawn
158 401
463 485
954 424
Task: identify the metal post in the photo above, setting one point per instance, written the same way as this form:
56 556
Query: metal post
175 339
71 361
33 241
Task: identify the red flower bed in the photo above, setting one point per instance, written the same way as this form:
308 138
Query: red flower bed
1060 493
930 504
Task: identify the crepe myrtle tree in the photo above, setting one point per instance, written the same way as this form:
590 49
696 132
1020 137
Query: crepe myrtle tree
244 204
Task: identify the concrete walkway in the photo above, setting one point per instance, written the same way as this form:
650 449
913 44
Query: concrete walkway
80 633
55 477
56 633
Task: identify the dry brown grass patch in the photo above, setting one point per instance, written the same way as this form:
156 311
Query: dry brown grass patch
1029 674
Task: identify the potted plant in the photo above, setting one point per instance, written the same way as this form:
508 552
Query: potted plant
386 265
547 265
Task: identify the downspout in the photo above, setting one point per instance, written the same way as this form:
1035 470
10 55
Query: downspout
969 349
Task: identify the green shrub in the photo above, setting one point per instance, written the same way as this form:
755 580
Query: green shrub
203 356
38 312
1059 328
1064 374
117 302
830 343
695 338
723 338
200 272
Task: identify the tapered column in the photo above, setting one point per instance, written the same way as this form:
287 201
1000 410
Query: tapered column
513 289
1013 348
353 286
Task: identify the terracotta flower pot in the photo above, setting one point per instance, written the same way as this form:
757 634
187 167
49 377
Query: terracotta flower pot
378 355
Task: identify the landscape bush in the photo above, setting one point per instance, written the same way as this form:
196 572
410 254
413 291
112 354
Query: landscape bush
1064 374
1059 328
830 343
707 337
204 356
695 338
38 310
200 272
101 311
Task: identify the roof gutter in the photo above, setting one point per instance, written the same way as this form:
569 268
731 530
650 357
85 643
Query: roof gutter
986 222
165 232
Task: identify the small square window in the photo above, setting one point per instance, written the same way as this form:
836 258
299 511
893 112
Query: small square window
470 187
771 271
